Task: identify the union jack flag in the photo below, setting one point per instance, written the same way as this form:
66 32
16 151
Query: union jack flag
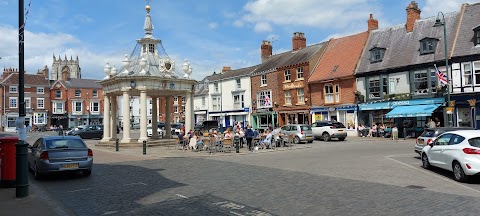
442 77
267 101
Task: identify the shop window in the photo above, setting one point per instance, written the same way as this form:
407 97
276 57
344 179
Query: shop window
39 118
374 87
464 117
11 121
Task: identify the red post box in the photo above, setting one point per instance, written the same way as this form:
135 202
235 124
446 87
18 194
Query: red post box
8 161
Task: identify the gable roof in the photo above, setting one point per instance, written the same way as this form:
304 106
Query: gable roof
81 83
231 74
340 58
402 48
290 58
464 45
30 79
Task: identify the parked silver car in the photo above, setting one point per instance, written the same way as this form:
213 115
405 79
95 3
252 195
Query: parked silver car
302 132
59 154
430 134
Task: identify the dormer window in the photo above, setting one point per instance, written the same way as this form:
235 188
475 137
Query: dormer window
476 36
376 54
428 45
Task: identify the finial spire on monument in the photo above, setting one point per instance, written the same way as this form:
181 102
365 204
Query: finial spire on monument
148 25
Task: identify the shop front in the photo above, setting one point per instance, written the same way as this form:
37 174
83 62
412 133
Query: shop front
10 120
346 114
293 116
59 119
231 117
409 116
466 113
262 118
200 116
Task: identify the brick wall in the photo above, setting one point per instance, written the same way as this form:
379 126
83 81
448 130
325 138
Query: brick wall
347 92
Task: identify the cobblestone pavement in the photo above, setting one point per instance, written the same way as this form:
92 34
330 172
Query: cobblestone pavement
355 177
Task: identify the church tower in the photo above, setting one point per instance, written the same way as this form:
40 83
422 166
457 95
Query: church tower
65 69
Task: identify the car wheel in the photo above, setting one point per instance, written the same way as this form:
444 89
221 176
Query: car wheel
87 172
296 140
341 138
36 174
326 137
458 173
425 162
311 141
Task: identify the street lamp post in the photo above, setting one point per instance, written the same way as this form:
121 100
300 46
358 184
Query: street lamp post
439 23
221 98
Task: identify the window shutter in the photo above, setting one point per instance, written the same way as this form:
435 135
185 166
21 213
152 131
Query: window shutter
456 75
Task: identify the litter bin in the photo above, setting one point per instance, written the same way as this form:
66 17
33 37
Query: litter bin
8 161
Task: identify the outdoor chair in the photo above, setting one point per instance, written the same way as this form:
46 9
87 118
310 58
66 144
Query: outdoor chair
227 144
181 144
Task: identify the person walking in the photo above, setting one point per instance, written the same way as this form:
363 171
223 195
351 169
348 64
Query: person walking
249 134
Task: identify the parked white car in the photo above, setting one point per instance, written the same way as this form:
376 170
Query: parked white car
150 131
457 151
328 129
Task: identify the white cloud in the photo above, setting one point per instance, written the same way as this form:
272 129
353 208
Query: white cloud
263 27
432 7
39 48
238 23
212 25
327 14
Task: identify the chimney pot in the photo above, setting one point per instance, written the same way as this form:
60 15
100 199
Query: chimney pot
413 14
299 41
372 23
266 50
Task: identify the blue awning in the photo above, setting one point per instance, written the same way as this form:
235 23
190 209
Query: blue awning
412 111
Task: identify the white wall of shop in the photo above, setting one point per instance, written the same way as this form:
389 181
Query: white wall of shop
400 81
135 103
361 87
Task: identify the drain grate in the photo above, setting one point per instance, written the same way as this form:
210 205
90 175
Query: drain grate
415 187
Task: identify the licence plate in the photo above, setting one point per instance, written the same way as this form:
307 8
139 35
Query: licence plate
69 166
309 136
340 130
420 141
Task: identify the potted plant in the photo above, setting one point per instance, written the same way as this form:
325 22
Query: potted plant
360 98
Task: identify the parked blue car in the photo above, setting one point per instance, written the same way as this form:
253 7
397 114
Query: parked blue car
59 154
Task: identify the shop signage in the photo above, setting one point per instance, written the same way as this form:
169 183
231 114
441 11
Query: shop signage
393 104
246 109
452 103
449 110
472 102
293 85
326 109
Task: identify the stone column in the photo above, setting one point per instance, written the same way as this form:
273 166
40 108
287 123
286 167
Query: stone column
168 116
113 117
106 119
189 112
143 116
154 118
126 117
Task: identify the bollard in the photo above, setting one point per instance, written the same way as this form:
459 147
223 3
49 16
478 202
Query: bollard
237 147
116 145
144 147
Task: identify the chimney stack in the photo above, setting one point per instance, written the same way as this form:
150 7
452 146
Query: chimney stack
266 49
299 41
225 69
372 23
413 14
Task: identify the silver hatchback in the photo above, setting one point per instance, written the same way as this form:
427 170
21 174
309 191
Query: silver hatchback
59 154
302 132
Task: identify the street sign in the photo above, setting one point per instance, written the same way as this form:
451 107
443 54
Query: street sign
449 110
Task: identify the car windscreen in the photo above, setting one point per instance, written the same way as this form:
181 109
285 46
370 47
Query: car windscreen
306 128
475 142
338 125
65 143
428 133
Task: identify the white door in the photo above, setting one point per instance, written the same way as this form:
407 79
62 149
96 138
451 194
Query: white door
437 158
453 148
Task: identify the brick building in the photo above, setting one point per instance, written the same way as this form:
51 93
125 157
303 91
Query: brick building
37 99
76 102
279 85
333 82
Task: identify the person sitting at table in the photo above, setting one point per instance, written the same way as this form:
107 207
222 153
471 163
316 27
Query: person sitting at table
372 130
228 134
361 129
193 142
381 130
267 142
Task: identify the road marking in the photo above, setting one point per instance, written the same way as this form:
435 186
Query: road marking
137 183
184 197
109 212
432 174
86 189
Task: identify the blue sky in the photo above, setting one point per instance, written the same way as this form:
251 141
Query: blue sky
209 33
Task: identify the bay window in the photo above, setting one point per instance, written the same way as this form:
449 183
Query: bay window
420 82
238 102
374 87
58 108
329 93
264 99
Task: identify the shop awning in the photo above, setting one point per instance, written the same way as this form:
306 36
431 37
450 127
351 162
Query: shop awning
412 111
